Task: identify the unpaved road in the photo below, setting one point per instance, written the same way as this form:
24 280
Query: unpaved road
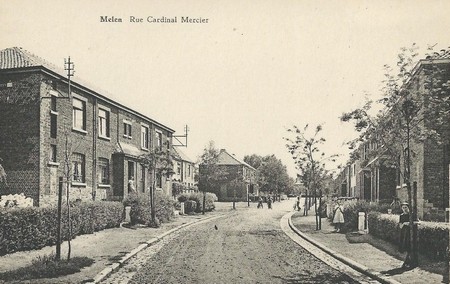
248 247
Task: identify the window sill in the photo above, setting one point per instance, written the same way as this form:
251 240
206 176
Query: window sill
53 164
79 130
104 138
144 149
54 112
104 186
78 184
126 136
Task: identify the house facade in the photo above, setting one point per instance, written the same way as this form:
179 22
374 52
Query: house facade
184 169
90 140
380 181
239 178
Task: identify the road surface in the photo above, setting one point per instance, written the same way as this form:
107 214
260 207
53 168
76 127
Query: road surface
248 246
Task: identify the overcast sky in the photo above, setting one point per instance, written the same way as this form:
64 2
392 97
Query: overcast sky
255 69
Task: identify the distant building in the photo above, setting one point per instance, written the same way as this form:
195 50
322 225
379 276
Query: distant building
184 169
239 181
105 138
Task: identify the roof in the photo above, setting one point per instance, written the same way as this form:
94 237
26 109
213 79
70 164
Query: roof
128 149
182 156
226 158
18 58
444 54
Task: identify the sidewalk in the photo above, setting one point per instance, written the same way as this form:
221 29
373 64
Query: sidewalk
105 247
356 248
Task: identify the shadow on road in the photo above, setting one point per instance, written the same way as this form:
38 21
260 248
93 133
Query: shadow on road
316 278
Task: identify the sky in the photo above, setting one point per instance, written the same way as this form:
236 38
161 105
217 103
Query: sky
255 69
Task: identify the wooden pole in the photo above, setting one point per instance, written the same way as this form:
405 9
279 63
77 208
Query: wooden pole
58 228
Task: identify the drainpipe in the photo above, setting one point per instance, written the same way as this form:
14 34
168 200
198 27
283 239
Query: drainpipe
94 149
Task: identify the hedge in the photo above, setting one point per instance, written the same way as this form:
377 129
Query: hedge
141 211
34 227
433 237
351 209
198 198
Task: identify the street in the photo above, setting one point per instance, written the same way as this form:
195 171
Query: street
248 246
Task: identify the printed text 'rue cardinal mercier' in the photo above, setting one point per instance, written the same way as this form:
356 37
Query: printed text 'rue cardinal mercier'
152 20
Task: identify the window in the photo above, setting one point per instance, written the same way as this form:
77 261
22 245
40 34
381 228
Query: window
52 153
159 140
103 171
53 125
53 103
79 114
168 143
103 123
178 168
144 137
159 180
78 167
127 129
143 170
189 170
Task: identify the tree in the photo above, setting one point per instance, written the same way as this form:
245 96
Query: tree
415 108
310 161
271 173
159 161
210 173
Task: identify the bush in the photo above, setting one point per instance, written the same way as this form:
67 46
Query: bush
15 200
190 206
433 237
141 211
198 198
35 227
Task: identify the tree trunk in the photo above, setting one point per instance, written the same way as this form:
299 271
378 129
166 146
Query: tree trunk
204 202
69 223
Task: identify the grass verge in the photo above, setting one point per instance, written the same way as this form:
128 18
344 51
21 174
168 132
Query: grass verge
47 267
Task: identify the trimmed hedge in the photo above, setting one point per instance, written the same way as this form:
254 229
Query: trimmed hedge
198 198
141 212
351 209
34 227
433 237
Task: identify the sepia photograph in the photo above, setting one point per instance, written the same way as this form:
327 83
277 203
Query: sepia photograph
267 141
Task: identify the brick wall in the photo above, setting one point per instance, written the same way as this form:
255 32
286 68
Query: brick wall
19 133
25 139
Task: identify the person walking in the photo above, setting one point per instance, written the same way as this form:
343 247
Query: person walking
260 202
338 217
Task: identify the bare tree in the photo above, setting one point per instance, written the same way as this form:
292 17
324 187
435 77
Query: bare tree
310 161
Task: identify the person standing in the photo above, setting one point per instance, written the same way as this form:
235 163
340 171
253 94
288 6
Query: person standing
269 201
338 217
131 185
405 243
2 175
297 204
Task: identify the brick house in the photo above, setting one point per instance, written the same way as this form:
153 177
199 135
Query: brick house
184 168
42 130
240 178
380 182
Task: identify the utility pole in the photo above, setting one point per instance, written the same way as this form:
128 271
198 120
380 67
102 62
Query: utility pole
69 67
